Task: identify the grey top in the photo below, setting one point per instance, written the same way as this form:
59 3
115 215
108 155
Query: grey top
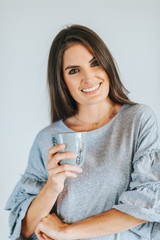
121 170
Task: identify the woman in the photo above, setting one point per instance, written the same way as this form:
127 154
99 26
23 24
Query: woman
116 193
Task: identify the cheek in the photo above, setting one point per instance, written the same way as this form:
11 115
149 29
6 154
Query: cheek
102 74
105 77
67 82
71 85
71 82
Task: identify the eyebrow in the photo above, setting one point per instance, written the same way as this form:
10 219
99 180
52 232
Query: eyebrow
74 66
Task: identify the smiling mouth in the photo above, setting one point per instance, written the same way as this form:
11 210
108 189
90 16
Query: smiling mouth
87 90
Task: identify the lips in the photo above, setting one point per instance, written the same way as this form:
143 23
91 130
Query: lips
87 90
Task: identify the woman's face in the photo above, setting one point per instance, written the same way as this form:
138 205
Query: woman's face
86 80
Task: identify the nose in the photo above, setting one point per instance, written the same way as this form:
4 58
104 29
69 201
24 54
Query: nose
88 75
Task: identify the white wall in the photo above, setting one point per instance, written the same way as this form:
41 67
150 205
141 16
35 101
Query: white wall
129 28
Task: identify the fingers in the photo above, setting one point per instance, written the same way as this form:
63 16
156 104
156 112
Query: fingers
58 173
65 168
42 236
55 149
39 235
53 162
46 237
63 175
63 171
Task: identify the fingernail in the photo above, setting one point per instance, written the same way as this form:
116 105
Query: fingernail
62 145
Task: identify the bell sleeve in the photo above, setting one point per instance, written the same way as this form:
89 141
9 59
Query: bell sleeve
26 190
142 198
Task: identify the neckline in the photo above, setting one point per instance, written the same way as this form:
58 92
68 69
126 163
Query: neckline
98 129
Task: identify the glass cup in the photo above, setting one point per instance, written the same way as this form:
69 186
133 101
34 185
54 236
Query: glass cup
74 142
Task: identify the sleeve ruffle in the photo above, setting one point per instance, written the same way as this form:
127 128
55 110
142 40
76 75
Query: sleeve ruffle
142 200
147 231
25 191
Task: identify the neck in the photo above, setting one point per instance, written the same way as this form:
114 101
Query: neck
94 113
91 118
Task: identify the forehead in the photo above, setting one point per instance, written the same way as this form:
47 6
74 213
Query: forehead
76 52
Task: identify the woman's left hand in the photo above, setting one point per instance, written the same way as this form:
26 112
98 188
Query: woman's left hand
51 227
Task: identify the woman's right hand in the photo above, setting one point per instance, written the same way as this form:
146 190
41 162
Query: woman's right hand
58 173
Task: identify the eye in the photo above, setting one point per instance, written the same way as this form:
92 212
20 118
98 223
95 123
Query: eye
73 71
95 63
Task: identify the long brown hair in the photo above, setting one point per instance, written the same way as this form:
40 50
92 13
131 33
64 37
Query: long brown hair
62 103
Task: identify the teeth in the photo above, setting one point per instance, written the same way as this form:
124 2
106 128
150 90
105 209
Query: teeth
91 89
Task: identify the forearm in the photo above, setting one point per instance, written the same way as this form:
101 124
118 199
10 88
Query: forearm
39 208
110 222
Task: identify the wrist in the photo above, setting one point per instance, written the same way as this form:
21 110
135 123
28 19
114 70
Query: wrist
68 232
49 192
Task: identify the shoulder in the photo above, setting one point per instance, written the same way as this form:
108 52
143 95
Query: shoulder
139 116
138 110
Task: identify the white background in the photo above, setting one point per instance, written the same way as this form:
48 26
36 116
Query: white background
131 30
